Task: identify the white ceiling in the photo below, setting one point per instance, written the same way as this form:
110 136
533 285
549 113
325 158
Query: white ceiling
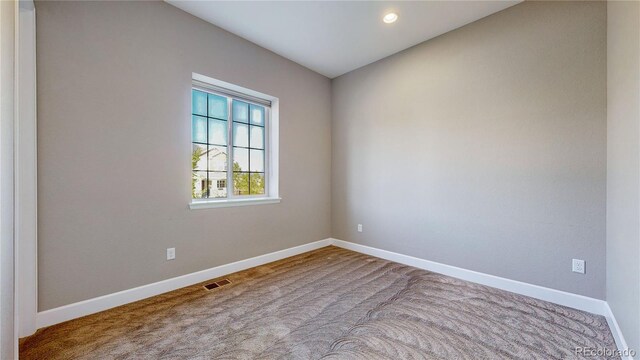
335 37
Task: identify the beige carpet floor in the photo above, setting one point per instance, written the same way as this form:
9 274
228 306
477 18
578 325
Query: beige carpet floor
332 304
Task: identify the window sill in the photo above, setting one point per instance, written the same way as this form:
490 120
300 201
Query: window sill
209 204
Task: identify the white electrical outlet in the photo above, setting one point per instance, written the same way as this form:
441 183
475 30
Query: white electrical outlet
171 253
577 266
359 227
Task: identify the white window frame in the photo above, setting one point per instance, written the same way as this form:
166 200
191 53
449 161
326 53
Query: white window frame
271 195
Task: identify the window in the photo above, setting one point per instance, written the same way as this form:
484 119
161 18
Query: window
232 145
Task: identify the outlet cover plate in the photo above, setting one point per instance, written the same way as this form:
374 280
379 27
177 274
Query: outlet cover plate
577 266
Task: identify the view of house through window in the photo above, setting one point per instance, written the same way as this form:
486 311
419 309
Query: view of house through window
228 146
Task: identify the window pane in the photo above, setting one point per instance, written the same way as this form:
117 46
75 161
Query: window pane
240 159
217 132
240 111
256 183
240 135
218 181
257 115
198 157
241 183
199 187
199 129
217 106
211 121
199 102
257 137
217 156
256 160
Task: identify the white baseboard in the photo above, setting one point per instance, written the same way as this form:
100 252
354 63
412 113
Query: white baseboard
617 333
92 306
580 302
575 301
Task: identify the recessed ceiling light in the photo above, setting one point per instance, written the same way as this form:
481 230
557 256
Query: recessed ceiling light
390 18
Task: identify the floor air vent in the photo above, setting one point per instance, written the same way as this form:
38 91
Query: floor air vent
217 284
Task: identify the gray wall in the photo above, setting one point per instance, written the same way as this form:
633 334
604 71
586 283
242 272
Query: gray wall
7 88
114 152
623 167
484 148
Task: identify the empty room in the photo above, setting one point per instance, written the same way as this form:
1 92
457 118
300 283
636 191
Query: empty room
320 179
